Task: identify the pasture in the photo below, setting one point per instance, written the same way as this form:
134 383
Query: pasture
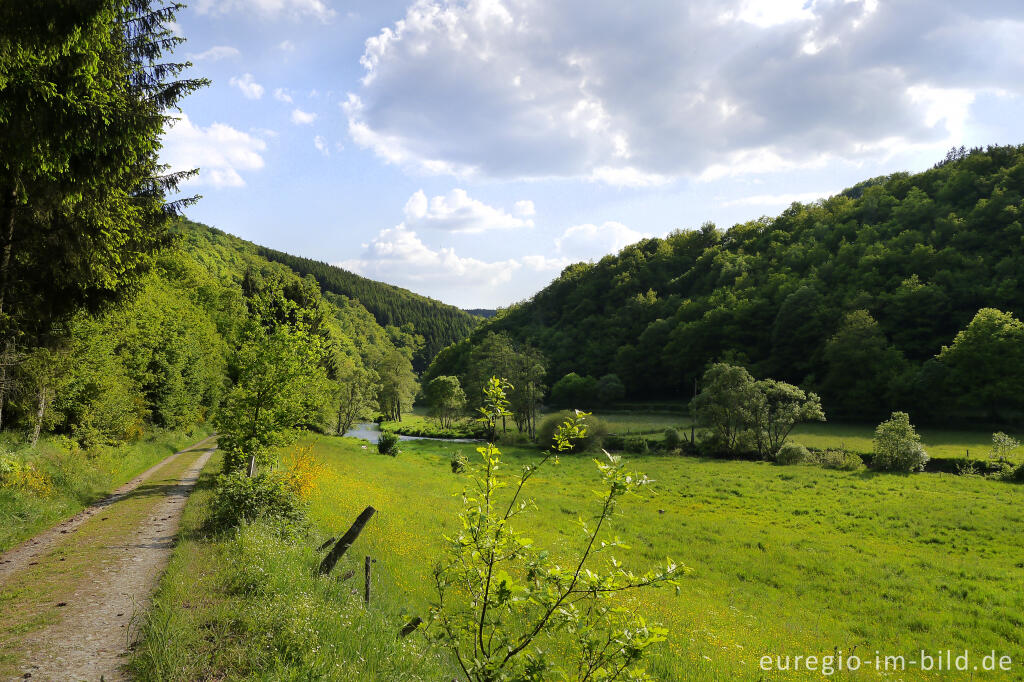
785 560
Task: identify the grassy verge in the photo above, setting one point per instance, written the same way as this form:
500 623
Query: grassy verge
79 478
247 605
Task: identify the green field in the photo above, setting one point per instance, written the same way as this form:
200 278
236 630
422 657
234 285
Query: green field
785 560
939 443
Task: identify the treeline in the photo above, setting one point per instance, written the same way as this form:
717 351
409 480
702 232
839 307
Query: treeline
853 296
438 323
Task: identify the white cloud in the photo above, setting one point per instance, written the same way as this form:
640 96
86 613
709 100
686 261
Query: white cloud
524 208
300 117
219 151
268 9
249 87
281 95
321 145
527 89
286 45
215 53
458 212
589 241
398 254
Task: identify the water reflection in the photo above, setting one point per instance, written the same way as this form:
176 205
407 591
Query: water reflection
371 432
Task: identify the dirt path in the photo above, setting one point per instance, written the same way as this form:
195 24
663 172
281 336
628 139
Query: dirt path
71 595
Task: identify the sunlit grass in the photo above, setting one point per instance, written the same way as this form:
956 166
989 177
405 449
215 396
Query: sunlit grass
793 560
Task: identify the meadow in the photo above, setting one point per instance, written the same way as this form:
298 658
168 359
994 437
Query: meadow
784 560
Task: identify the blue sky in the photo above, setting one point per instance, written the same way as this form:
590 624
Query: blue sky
470 150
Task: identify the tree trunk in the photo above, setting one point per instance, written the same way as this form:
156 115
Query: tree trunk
40 413
5 259
6 365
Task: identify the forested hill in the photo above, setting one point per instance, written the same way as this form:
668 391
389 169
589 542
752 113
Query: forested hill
853 296
438 323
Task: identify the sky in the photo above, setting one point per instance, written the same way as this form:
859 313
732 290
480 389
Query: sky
470 150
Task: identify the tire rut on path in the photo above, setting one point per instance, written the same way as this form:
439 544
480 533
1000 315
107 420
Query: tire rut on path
80 626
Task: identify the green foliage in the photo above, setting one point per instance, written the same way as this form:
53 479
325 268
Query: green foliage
727 405
498 355
585 442
985 363
387 444
780 407
862 367
920 253
672 439
793 453
572 389
267 496
744 414
610 389
357 395
898 446
86 90
843 460
439 324
1001 454
445 398
458 461
280 385
501 602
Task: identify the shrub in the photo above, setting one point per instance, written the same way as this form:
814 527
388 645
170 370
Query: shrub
19 475
637 445
239 499
897 445
672 439
1000 454
793 453
302 471
459 462
595 431
387 444
844 460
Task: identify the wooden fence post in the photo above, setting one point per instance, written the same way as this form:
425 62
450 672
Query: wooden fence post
366 584
342 545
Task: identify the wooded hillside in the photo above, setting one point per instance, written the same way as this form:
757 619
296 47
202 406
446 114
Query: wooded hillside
853 296
438 323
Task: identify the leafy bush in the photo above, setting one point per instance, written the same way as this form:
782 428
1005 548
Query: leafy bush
897 445
793 453
302 471
637 445
238 498
459 462
844 460
594 436
1000 454
672 439
20 475
387 444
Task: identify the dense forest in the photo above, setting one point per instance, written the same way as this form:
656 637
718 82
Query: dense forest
438 323
854 296
168 354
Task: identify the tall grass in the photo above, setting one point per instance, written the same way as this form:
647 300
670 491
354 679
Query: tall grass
79 477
